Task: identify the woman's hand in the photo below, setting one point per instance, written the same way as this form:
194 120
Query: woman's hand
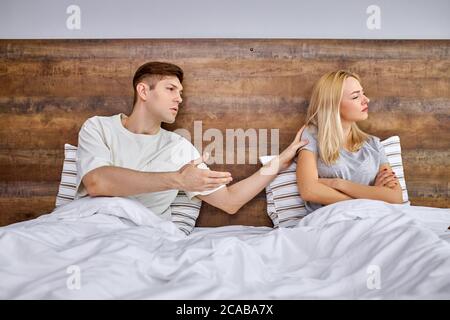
386 178
292 150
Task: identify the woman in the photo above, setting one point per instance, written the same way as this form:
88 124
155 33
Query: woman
342 162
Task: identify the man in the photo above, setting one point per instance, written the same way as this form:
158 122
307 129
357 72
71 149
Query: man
132 156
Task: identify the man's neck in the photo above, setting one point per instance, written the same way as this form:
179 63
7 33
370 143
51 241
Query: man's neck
140 122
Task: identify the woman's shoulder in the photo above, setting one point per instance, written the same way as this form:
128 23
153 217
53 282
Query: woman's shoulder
310 132
374 142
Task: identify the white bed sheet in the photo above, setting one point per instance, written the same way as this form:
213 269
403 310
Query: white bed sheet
114 248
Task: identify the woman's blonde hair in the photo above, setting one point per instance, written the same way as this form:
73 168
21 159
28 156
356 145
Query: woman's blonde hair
323 113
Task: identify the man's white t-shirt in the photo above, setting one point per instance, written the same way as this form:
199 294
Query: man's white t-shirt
104 141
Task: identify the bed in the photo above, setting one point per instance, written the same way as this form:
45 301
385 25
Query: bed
109 248
260 84
115 248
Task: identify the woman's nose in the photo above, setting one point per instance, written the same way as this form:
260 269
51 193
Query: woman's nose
367 100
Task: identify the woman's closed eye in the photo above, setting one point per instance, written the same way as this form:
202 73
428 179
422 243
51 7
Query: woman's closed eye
359 95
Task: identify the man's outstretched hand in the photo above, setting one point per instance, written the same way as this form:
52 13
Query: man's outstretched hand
193 178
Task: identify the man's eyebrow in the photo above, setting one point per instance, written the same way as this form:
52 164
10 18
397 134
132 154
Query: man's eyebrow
174 85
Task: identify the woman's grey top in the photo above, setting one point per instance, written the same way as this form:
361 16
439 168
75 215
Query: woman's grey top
360 167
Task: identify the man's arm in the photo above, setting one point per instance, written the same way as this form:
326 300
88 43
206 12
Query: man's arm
117 181
231 199
309 185
121 182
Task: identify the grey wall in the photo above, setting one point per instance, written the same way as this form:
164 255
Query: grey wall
343 19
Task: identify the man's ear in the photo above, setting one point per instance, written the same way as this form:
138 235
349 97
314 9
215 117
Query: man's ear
142 90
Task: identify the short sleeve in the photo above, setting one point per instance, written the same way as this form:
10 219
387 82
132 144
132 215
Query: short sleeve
92 152
310 134
383 158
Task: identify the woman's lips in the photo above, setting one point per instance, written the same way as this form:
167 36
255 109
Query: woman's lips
365 109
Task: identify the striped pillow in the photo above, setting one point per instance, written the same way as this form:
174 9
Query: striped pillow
394 154
184 211
271 211
68 185
285 207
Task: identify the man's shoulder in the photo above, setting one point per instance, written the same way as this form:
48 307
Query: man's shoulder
101 120
98 123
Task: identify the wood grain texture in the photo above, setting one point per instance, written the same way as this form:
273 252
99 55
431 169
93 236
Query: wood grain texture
48 88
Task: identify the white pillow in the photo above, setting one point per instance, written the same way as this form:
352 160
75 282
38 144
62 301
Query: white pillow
285 207
184 211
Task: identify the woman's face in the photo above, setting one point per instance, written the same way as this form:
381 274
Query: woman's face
354 104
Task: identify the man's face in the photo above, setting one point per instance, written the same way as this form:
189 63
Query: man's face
164 100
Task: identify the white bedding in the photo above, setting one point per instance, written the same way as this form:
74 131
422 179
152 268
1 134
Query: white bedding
114 248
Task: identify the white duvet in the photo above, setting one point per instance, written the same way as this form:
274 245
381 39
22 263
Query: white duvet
115 248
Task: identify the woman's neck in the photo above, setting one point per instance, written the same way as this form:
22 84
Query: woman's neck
346 130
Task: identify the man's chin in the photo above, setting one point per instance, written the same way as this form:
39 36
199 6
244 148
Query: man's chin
169 121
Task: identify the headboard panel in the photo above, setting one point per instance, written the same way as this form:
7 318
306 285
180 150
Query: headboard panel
48 88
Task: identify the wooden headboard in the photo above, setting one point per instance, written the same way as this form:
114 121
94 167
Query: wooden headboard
48 88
